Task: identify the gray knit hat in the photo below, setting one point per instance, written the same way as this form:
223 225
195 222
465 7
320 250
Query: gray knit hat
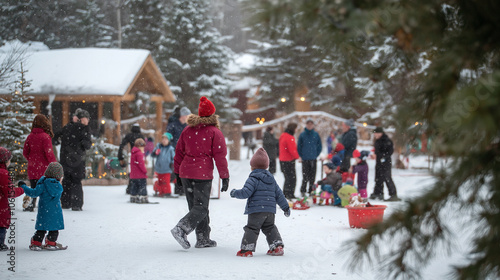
349 122
54 170
83 114
185 111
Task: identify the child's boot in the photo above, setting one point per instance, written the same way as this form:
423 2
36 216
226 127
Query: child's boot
53 246
278 251
35 245
134 199
143 199
204 242
244 253
4 247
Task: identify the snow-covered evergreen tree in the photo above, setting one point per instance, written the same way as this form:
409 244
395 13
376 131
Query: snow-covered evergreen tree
86 27
15 120
191 56
142 29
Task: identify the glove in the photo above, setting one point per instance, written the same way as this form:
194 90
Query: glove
287 212
179 181
320 183
225 184
20 183
232 192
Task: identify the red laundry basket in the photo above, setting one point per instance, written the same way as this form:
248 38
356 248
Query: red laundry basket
364 217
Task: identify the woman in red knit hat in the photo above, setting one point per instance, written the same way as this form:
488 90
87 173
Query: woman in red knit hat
200 144
38 152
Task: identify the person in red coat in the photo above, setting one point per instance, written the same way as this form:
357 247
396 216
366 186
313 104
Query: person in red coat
7 190
138 173
200 144
38 152
288 155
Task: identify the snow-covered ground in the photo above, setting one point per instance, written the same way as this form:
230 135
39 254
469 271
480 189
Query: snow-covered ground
113 239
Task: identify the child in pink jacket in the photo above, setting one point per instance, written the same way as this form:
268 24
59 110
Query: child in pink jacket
138 173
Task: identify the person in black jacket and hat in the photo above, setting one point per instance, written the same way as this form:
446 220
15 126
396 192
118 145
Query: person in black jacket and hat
383 167
134 134
75 140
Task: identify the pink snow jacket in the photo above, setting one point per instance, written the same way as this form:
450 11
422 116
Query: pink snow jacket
38 152
137 165
200 143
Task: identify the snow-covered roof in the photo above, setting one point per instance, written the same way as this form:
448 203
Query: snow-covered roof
83 71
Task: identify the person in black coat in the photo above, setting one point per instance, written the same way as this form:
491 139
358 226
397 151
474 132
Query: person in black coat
383 152
271 145
134 134
350 142
75 140
176 124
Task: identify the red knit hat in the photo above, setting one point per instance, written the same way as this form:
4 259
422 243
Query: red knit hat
5 155
206 107
260 159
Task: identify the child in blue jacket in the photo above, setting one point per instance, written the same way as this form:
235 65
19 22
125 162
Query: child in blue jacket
262 193
164 154
50 216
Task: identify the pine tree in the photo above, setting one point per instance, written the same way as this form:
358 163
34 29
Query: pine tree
192 58
143 27
15 121
86 26
455 97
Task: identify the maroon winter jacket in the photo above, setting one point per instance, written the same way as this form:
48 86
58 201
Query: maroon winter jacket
200 143
137 166
6 192
38 152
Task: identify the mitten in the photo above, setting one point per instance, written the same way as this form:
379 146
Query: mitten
225 184
232 192
157 151
287 212
179 181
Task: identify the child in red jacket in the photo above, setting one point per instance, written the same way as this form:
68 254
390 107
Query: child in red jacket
138 173
7 190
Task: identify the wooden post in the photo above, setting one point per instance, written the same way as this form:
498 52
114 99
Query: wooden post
235 138
65 113
159 121
117 119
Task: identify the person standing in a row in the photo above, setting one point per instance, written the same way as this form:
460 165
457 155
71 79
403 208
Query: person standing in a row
383 166
200 144
350 142
75 140
271 145
288 155
309 147
38 152
134 134
176 124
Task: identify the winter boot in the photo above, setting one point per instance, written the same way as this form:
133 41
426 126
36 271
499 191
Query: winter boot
53 246
143 199
134 199
4 247
244 253
374 196
278 251
203 242
181 237
35 245
393 198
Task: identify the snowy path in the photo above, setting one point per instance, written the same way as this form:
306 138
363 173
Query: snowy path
113 239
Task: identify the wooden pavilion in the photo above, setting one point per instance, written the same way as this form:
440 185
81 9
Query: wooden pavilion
102 81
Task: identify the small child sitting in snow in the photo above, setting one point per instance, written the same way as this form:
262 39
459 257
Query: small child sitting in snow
50 215
346 192
331 183
262 193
